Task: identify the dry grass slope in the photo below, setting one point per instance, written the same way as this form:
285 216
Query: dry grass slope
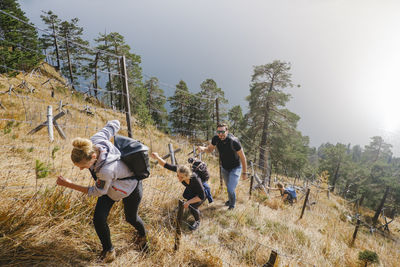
43 225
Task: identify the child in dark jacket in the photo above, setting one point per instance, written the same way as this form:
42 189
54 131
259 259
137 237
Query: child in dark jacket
194 192
286 193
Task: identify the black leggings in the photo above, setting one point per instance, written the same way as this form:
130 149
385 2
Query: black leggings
103 207
194 210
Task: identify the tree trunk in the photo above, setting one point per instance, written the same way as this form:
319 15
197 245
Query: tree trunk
121 99
263 161
346 187
379 209
56 46
95 74
69 62
111 86
336 177
111 89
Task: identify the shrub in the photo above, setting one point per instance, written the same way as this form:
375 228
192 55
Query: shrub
368 256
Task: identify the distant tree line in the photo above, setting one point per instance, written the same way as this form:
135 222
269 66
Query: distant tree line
268 130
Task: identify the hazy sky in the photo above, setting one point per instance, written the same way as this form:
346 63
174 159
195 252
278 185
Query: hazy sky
344 54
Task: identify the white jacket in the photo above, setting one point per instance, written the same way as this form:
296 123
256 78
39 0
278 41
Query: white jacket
109 167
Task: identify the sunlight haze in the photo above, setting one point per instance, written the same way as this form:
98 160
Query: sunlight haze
344 54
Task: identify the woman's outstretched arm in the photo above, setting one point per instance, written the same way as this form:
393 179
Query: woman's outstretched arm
67 183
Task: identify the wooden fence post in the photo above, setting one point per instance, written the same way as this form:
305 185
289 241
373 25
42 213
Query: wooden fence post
355 232
171 152
54 122
50 123
194 151
273 260
126 94
251 178
178 225
305 203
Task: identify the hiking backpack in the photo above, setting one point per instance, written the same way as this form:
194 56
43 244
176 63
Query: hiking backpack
134 154
200 168
292 192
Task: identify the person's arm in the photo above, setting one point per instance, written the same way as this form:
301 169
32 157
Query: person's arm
210 148
66 183
163 163
191 201
110 130
244 163
155 155
272 188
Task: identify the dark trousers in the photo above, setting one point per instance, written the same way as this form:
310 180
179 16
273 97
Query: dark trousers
103 207
194 210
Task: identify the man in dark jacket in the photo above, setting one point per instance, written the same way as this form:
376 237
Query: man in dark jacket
232 157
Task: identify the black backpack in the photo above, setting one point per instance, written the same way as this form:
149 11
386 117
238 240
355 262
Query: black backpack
134 154
200 168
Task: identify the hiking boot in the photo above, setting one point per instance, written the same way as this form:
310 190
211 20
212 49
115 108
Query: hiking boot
195 225
108 255
227 203
231 208
141 242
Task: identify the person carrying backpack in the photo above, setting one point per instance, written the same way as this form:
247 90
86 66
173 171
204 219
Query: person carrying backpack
288 194
114 181
233 160
194 192
200 168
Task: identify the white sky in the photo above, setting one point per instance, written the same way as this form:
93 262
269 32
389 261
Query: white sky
344 54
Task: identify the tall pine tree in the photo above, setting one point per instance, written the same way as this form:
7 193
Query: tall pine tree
49 40
179 108
265 100
19 43
156 103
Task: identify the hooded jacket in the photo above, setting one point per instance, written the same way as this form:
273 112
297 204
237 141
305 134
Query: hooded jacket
109 168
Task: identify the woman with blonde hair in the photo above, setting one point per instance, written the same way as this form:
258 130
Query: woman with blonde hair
114 181
194 192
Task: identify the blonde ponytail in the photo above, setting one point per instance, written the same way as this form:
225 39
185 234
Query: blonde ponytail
83 150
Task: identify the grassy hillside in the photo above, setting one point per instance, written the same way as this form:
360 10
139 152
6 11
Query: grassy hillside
45 225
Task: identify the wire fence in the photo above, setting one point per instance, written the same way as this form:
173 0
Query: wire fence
32 159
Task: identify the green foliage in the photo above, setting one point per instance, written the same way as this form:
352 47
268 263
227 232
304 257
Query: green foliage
236 120
368 256
19 43
30 149
333 160
72 49
53 152
180 109
208 113
41 169
114 43
7 129
156 103
271 131
49 41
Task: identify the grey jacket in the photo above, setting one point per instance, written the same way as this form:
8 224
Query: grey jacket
109 167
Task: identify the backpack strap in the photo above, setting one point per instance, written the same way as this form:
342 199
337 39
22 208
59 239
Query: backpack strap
93 173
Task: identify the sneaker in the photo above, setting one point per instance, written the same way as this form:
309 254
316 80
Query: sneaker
227 203
141 242
108 255
195 225
231 208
